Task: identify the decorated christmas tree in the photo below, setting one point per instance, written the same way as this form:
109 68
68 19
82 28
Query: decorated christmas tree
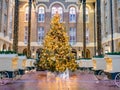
57 54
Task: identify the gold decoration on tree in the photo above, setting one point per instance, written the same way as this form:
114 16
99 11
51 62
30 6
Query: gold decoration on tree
57 54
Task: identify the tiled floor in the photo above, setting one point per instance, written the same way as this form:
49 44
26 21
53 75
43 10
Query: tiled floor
38 81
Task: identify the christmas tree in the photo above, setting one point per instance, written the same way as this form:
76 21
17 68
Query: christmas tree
57 54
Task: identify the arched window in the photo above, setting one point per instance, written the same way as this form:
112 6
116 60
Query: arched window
59 10
72 14
87 16
41 14
26 13
72 35
40 34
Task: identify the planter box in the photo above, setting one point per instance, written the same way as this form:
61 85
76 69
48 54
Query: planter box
86 63
7 55
21 62
32 62
28 63
99 64
113 63
9 62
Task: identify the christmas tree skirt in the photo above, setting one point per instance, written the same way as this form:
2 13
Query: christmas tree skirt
50 75
62 75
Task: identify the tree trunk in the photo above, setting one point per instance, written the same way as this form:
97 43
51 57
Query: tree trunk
84 28
112 41
99 46
16 26
94 31
29 30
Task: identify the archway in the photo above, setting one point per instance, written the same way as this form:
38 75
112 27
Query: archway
25 51
38 52
4 47
87 53
119 47
75 53
9 48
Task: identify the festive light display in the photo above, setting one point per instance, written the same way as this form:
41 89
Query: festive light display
57 54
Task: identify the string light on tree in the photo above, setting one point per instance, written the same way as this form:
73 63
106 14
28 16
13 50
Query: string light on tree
56 54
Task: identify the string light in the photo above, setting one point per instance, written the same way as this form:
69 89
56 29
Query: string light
57 55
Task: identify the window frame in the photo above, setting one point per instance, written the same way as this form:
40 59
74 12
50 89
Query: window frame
40 36
41 14
72 15
59 10
72 35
